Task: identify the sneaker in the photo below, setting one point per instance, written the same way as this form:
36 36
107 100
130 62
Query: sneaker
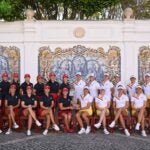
97 125
88 129
82 130
0 131
106 131
112 124
137 127
55 127
38 123
45 132
15 126
144 133
8 131
28 132
126 132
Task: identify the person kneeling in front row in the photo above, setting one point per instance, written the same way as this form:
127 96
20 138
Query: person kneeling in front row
102 106
85 111
28 104
121 103
46 109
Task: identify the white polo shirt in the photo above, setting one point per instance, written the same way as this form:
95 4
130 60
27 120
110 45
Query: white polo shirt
85 100
131 89
78 86
108 86
102 103
121 101
93 87
139 102
146 89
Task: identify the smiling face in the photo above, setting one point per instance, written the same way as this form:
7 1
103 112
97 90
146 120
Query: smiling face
27 79
29 91
120 91
102 91
12 90
132 80
147 78
91 78
138 90
86 91
78 77
52 77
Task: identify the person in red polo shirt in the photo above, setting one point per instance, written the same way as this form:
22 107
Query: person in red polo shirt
15 80
46 109
12 102
54 85
25 84
65 108
39 87
29 103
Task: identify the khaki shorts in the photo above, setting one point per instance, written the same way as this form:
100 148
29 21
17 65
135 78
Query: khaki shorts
98 112
89 111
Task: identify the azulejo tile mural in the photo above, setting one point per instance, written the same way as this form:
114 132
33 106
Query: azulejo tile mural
9 60
143 62
79 59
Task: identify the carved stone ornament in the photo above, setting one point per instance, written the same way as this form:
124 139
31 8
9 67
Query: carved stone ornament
79 32
30 15
128 13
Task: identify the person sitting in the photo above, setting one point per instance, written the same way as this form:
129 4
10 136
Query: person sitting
46 109
121 103
29 103
12 103
138 104
85 111
102 106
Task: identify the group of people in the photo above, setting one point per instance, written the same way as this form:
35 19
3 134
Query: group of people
45 97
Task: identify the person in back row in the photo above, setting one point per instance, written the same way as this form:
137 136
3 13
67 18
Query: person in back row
15 81
46 109
24 85
121 104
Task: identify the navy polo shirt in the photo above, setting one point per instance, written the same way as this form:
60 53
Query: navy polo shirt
12 100
47 100
54 86
39 87
64 85
24 86
66 102
28 100
4 88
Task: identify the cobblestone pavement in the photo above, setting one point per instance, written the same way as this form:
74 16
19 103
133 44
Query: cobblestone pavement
63 141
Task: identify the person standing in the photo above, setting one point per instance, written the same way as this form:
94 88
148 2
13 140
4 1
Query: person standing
15 81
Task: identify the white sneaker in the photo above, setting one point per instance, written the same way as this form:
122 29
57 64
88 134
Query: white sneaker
112 125
137 127
55 127
144 133
28 132
82 130
97 125
15 126
106 131
126 132
0 131
88 129
8 131
38 123
45 132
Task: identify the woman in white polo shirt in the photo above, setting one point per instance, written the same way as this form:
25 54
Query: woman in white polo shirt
102 106
85 110
138 103
121 103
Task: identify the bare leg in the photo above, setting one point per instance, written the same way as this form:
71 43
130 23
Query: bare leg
85 116
78 116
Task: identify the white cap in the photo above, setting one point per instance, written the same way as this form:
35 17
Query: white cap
106 74
86 87
147 74
132 76
120 87
139 86
91 75
78 73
